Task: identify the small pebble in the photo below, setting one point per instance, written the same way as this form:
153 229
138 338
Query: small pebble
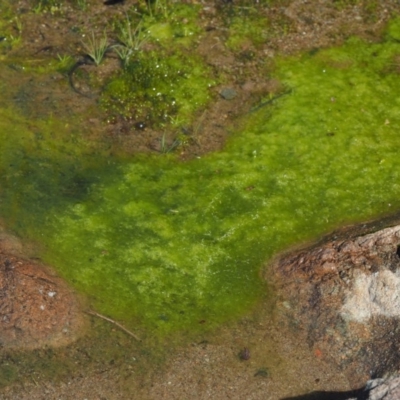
245 354
228 93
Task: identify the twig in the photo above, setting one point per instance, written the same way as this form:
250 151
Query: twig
113 322
269 101
34 381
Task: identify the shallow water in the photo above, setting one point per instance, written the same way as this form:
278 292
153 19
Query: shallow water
172 243
175 248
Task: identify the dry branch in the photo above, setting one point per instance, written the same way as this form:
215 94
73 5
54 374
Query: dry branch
96 314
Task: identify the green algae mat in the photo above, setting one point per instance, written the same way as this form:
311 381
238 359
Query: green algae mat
174 245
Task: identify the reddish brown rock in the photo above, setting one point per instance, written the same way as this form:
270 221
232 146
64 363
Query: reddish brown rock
343 296
36 307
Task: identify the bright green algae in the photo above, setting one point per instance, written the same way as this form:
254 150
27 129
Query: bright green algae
173 244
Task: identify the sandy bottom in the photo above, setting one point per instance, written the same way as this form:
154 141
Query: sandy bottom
280 364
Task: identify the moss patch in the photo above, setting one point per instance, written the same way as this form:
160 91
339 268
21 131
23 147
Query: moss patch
162 81
246 27
172 23
159 89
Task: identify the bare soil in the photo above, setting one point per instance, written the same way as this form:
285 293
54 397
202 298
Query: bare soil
278 362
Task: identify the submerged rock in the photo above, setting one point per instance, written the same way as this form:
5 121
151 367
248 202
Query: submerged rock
228 93
37 308
343 296
379 389
383 389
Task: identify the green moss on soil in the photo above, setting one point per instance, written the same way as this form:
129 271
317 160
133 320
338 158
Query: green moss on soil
178 246
11 27
158 88
8 374
172 24
246 27
163 86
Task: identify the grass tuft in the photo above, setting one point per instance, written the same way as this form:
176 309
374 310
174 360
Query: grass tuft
96 48
131 40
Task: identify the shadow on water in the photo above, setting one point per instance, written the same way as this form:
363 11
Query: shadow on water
357 394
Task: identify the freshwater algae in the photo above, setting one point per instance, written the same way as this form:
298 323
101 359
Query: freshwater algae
179 245
44 164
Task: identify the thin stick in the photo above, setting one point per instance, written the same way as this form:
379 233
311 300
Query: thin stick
269 101
113 322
